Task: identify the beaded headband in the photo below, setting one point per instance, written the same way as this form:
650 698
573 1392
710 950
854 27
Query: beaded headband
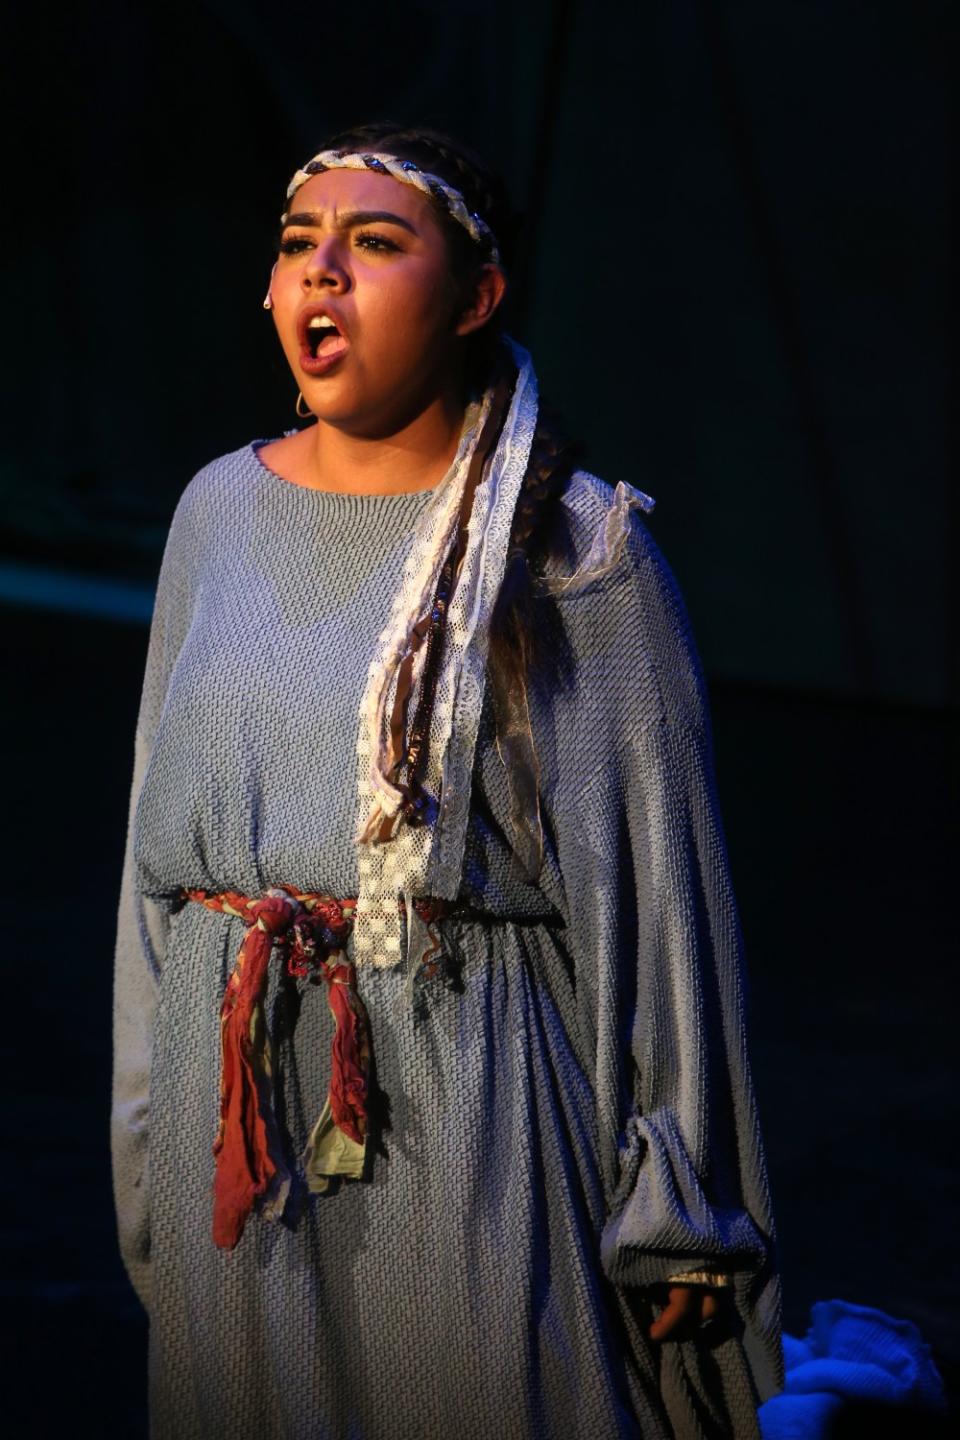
408 174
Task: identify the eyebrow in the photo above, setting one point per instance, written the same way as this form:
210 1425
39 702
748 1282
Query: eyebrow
350 218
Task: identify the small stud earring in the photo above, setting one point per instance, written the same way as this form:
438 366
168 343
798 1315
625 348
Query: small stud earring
304 414
268 299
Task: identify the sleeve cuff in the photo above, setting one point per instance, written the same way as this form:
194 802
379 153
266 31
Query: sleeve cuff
716 1279
661 1224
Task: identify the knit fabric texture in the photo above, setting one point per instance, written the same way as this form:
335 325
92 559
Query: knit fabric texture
568 1124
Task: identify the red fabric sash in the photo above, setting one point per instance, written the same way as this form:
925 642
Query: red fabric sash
311 930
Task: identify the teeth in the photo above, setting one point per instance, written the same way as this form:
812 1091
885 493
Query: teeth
320 322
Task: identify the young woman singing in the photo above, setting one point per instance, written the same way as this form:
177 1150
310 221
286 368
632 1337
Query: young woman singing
432 1110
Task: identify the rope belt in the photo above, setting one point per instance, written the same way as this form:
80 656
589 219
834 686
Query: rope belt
310 931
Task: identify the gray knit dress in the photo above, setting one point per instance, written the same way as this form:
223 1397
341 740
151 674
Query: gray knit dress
565 1124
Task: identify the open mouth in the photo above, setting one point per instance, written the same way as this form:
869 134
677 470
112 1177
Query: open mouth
322 336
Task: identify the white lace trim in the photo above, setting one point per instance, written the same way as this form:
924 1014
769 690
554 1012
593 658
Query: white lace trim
427 860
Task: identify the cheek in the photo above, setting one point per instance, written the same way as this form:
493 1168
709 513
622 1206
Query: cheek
418 317
287 335
286 298
405 324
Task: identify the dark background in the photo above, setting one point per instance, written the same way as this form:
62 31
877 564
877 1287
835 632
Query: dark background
734 284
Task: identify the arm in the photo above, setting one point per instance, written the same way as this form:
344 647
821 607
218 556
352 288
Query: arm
142 922
695 1093
141 940
691 1192
654 935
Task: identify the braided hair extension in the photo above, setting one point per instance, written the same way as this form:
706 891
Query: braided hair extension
553 455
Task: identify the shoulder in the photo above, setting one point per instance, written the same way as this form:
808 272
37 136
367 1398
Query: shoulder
608 537
216 485
206 510
609 575
587 503
211 501
586 497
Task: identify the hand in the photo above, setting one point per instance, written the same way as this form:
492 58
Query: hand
687 1308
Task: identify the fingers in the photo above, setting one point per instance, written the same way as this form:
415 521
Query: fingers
686 1309
682 1300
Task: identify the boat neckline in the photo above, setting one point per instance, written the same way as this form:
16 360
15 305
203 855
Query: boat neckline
347 496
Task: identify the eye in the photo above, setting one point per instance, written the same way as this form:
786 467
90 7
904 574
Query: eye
294 244
369 240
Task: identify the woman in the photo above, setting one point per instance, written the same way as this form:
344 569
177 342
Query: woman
424 736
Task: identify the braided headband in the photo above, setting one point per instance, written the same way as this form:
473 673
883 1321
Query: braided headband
408 174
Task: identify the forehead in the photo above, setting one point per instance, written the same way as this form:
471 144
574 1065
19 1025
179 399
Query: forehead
337 191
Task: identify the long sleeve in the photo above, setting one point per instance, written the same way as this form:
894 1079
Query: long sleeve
691 1191
141 941
655 939
142 927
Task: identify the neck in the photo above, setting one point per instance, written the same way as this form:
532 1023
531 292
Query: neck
414 456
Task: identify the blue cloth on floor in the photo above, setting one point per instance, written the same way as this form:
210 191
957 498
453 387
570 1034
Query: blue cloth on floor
850 1353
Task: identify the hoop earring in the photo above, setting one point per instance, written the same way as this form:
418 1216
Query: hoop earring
304 414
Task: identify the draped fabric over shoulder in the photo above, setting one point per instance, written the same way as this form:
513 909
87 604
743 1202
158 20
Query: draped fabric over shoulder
566 1117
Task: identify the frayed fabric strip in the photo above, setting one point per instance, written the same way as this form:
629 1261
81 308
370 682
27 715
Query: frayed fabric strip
425 957
608 545
311 930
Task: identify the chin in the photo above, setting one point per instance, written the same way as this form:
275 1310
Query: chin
370 419
336 411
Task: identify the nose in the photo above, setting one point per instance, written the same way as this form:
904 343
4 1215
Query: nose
325 269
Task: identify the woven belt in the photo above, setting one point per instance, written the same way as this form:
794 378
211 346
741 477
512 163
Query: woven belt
310 931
